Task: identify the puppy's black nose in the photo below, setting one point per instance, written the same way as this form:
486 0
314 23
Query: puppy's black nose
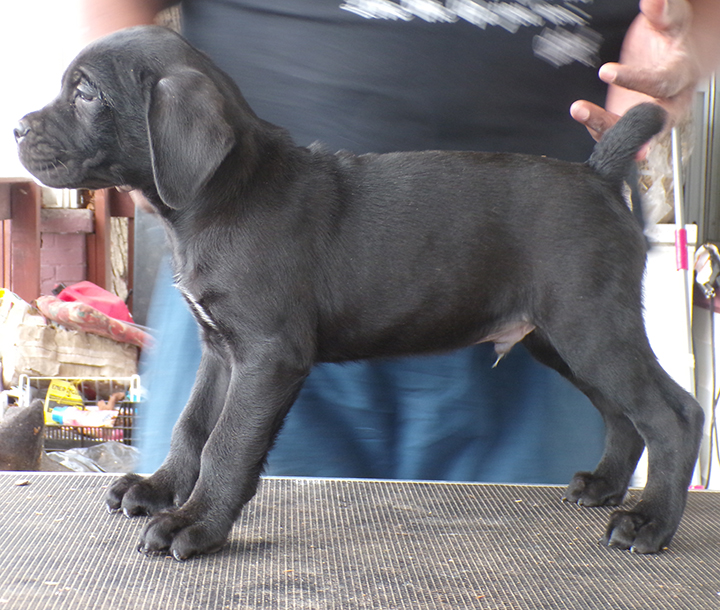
21 130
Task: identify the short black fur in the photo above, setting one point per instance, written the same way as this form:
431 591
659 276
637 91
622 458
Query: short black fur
290 256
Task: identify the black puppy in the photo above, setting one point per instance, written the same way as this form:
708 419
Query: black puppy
290 256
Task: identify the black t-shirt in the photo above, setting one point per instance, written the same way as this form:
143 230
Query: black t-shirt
382 75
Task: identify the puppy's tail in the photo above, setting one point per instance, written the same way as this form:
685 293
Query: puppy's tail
614 155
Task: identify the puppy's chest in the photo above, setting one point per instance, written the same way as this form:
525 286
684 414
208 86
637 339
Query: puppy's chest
198 308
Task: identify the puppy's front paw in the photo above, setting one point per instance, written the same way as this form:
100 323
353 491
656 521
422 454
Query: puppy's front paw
139 496
587 489
639 529
178 533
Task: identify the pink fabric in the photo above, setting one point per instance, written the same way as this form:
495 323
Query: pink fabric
99 298
80 316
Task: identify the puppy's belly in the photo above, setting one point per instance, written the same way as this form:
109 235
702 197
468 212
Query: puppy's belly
507 336
353 341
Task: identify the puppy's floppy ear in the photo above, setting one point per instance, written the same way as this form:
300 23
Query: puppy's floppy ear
189 136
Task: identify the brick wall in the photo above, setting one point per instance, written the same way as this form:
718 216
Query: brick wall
63 250
63 260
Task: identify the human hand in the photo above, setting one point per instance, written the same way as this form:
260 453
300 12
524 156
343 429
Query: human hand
658 63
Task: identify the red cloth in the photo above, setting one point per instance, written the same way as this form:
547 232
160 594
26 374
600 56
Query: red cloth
83 317
99 298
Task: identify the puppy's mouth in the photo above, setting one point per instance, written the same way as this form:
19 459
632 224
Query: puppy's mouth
57 172
52 172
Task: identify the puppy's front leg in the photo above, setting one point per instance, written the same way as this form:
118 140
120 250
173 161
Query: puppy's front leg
173 482
259 395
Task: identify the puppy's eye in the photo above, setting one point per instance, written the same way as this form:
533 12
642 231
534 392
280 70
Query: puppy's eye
83 95
86 92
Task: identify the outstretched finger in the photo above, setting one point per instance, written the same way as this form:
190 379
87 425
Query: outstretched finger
596 119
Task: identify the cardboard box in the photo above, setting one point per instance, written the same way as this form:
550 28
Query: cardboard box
29 345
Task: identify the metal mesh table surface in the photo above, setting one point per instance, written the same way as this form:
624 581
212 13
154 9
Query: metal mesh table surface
325 543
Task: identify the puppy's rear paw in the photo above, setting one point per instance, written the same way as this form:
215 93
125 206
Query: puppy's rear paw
638 530
136 495
587 489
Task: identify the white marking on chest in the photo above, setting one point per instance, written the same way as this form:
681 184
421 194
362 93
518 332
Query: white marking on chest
197 308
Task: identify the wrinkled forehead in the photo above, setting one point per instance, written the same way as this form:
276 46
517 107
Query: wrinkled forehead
134 53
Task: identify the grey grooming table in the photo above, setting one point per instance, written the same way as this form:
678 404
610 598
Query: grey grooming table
316 544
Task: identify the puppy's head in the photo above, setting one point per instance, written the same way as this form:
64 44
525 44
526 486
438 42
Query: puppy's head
141 109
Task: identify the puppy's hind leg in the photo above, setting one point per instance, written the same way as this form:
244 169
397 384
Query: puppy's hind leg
671 422
608 483
609 355
172 484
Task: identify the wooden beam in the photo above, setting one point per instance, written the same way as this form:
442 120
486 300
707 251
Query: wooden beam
98 244
25 240
66 220
121 205
5 253
5 210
